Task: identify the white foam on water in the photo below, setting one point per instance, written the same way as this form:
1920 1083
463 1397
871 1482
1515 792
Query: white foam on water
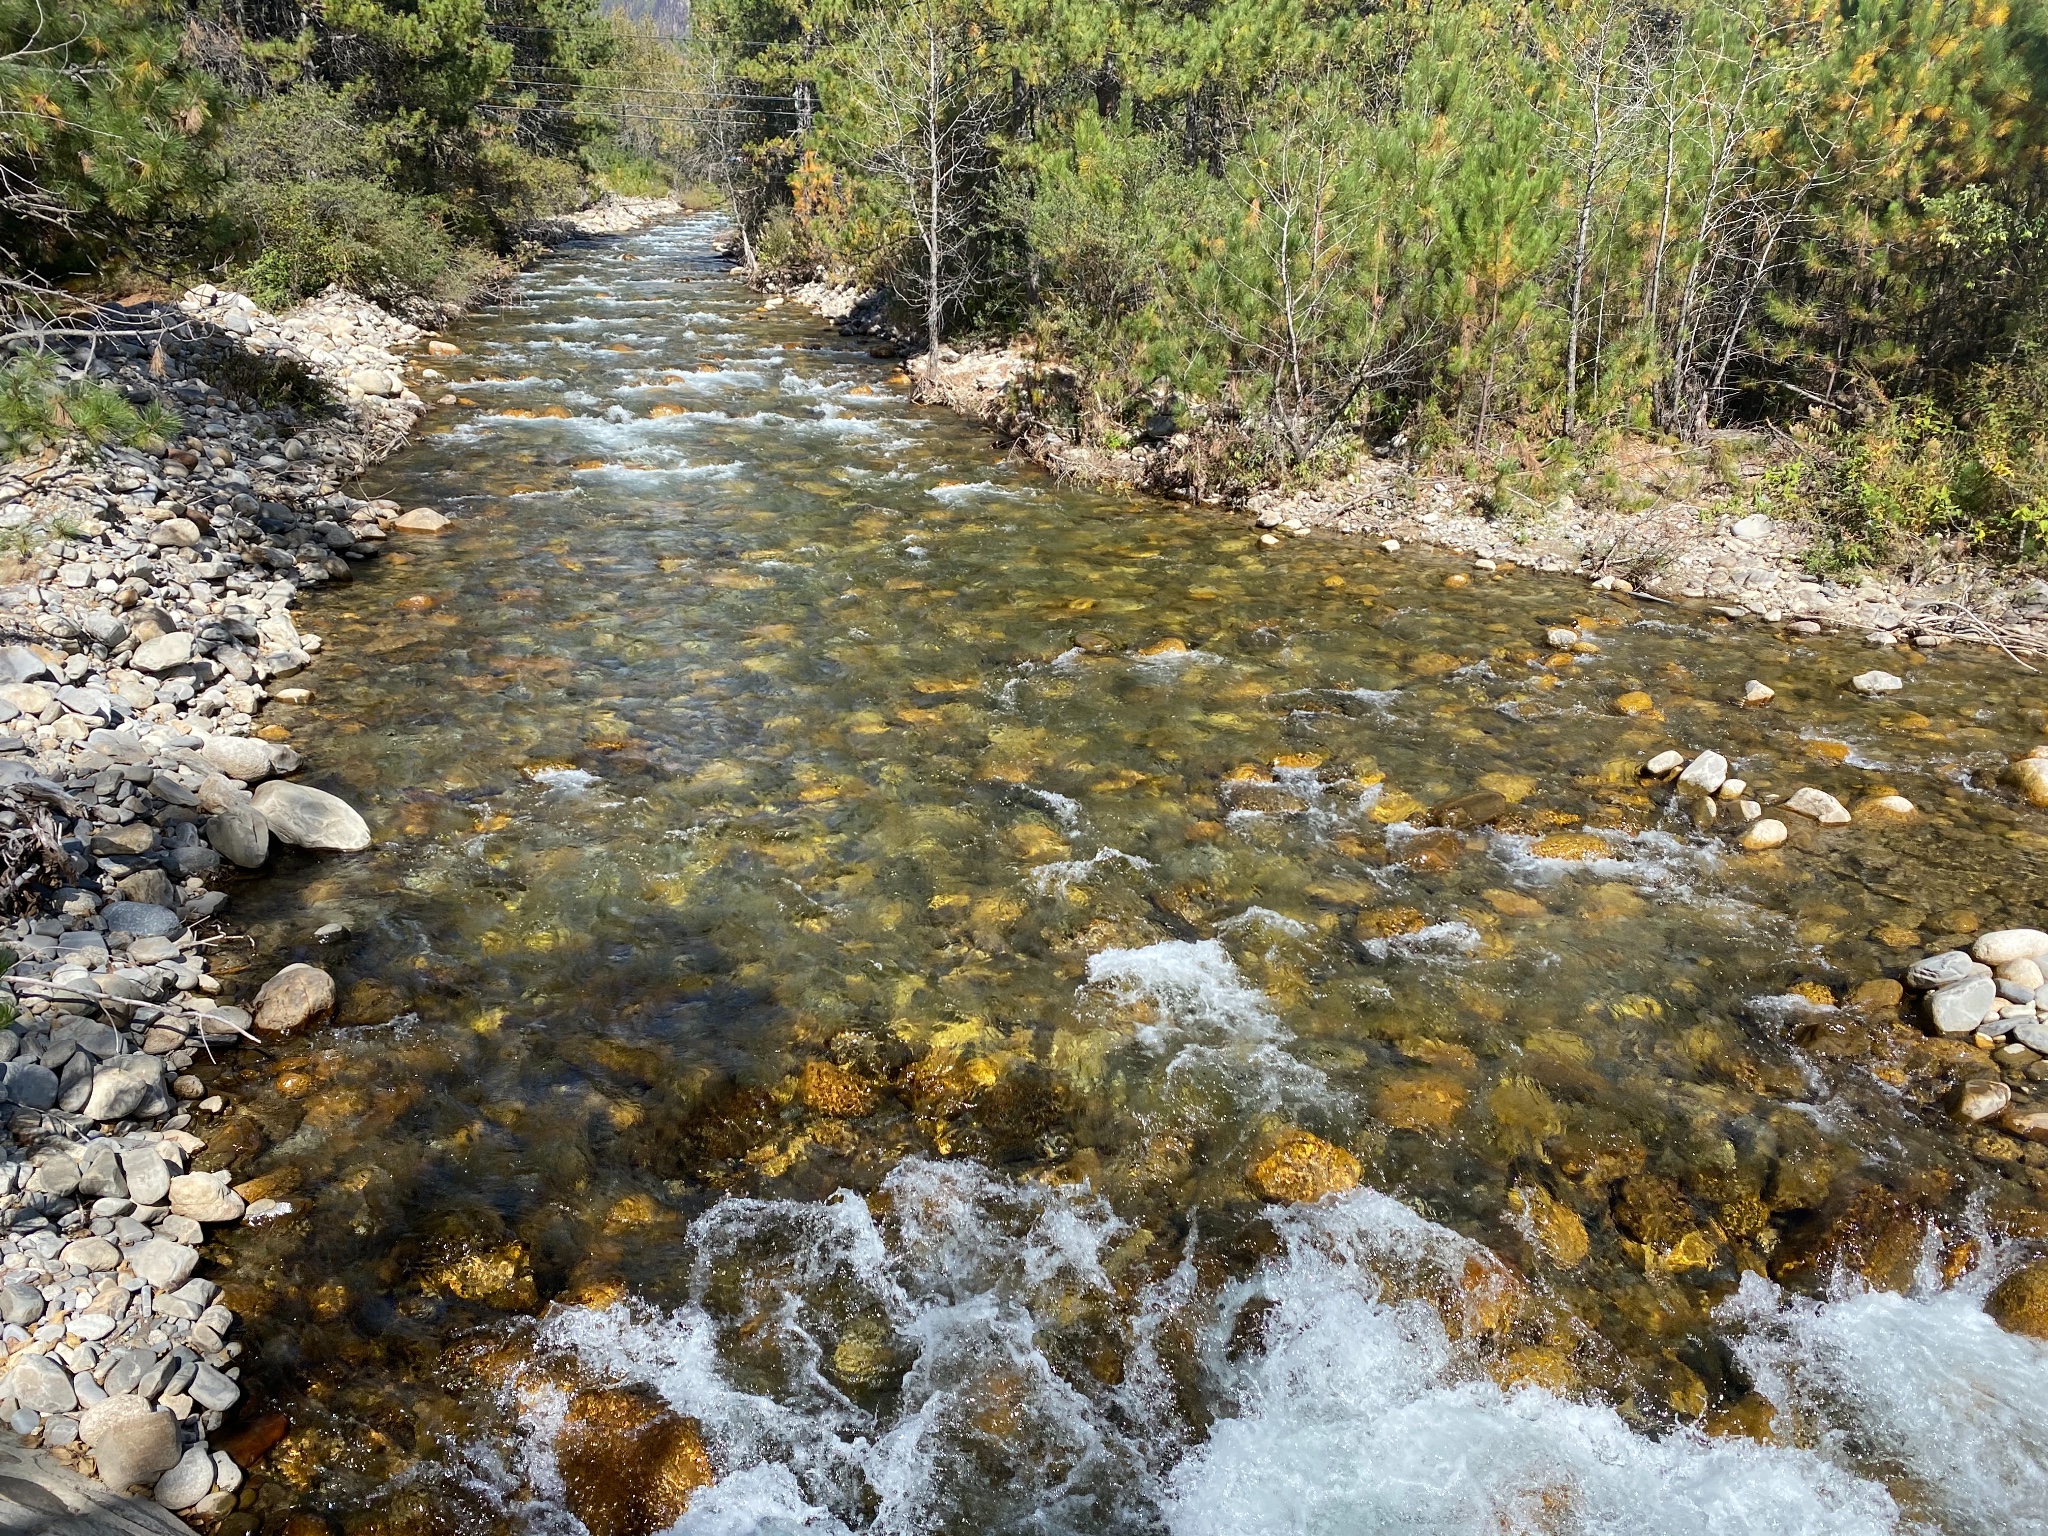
568 781
1925 1385
1361 1416
1167 666
1649 858
1350 1412
1435 942
714 378
793 383
1379 700
1057 878
684 471
951 494
1195 985
1783 1008
1266 919
1065 810
1225 1046
957 1279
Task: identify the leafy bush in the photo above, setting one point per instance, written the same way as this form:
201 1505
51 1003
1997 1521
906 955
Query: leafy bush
623 174
314 210
261 381
1973 474
518 186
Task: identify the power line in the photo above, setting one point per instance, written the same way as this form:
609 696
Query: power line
685 39
679 92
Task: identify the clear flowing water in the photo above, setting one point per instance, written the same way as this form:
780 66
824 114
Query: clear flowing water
849 915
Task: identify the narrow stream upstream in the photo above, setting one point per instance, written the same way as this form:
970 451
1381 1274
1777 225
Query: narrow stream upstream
849 913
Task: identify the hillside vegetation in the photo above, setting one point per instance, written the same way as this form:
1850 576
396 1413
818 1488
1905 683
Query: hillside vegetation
394 146
1500 236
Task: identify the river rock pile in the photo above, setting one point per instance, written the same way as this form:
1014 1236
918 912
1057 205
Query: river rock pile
1990 995
1705 788
349 341
148 597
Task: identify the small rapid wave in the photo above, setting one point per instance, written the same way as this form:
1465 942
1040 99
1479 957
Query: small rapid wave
1225 1046
911 1364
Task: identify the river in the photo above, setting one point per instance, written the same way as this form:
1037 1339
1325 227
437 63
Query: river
849 915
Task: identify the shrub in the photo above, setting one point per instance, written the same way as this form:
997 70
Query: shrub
314 211
629 175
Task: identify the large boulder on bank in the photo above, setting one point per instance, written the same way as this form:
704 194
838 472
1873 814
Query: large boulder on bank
189 1481
131 1442
141 919
241 835
19 664
126 1087
205 1197
239 757
162 653
40 1383
311 818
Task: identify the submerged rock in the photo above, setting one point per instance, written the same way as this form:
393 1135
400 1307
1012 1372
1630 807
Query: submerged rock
2020 1303
827 1089
630 1463
1304 1167
1556 1228
1476 809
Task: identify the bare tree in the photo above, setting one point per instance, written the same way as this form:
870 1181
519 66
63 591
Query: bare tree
1615 93
1309 294
927 100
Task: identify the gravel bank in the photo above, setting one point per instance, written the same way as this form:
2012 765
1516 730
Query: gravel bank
145 624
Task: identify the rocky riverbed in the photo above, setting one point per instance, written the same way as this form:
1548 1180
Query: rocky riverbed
146 600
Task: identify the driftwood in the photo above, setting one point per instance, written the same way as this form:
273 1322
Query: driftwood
31 842
1958 621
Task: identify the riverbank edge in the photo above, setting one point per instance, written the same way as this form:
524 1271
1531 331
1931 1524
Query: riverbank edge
147 595
1717 554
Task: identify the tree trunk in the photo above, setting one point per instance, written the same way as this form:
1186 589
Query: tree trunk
934 244
1579 244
